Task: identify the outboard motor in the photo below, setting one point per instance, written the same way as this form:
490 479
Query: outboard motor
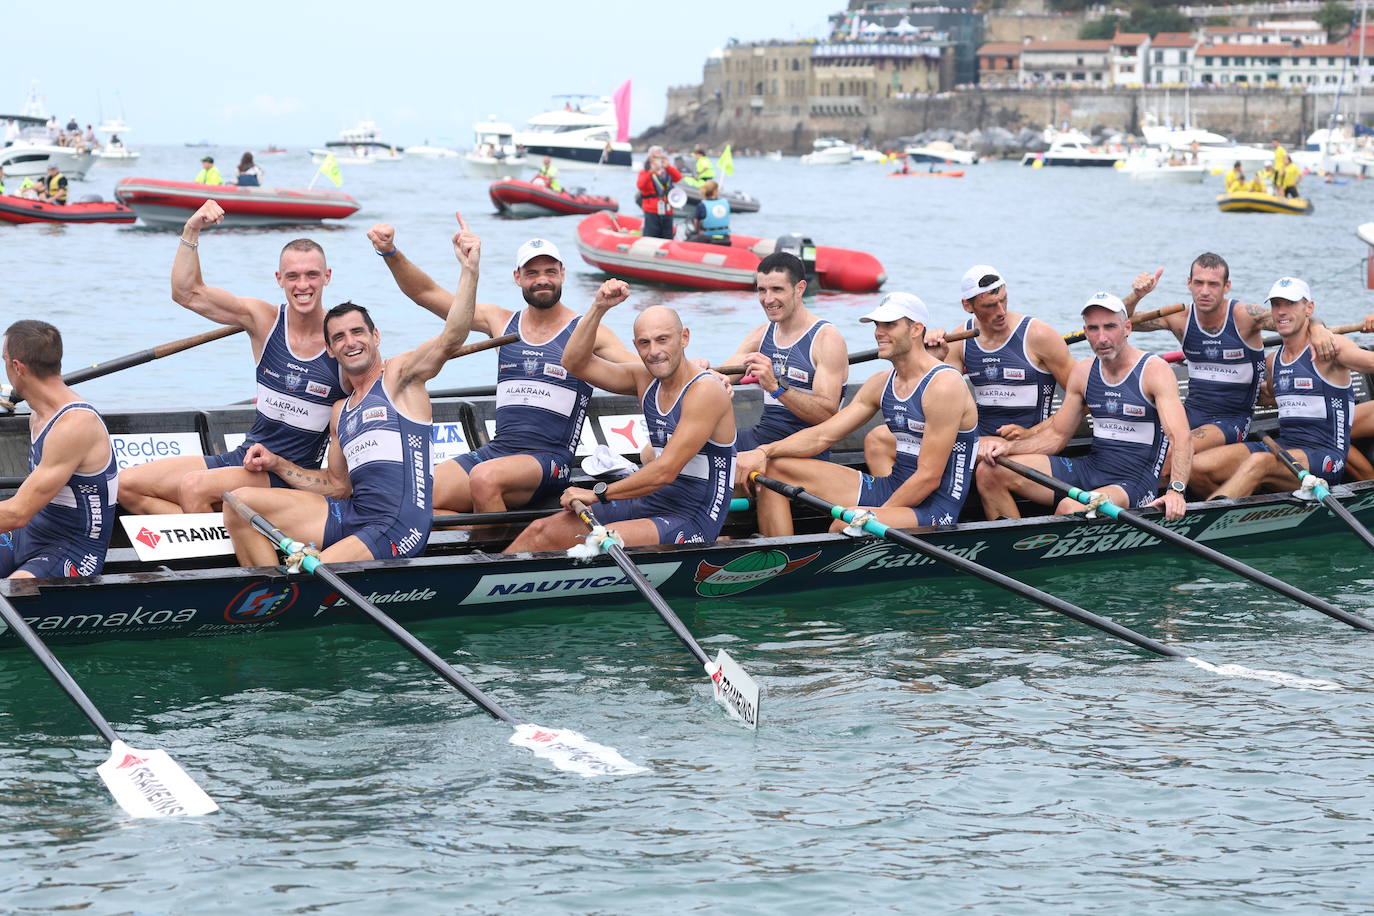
804 248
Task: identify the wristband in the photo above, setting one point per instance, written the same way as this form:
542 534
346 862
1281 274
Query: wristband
387 254
188 244
782 386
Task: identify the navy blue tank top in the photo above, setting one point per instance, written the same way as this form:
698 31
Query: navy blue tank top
388 458
1128 440
906 418
1008 387
1224 372
1313 413
295 399
705 481
795 366
83 511
539 404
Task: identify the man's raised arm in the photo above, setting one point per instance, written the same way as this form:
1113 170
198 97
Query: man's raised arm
189 288
414 282
579 356
424 362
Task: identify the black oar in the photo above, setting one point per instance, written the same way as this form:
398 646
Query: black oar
732 687
1178 540
76 376
1074 337
566 749
144 783
1110 627
1319 490
863 356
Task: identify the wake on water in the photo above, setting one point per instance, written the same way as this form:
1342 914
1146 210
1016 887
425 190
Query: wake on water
1281 678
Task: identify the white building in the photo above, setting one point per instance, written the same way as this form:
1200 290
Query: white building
1169 61
1130 50
1077 61
1308 66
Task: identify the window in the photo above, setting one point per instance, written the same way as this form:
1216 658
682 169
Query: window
1207 61
1159 57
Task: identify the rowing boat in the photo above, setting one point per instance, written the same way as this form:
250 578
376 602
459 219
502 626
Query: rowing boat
463 574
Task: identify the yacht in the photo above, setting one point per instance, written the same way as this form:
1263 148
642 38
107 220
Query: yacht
29 149
494 153
829 151
1155 164
425 151
1213 150
576 136
112 150
941 151
359 145
1072 147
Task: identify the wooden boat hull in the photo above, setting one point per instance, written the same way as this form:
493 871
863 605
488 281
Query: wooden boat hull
1255 202
22 210
171 203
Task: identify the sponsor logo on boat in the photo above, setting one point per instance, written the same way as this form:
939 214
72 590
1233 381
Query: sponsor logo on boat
260 601
745 572
151 538
126 620
885 555
333 600
562 584
1257 521
1092 539
1035 541
131 450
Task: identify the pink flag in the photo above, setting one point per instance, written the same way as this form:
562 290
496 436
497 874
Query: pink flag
622 113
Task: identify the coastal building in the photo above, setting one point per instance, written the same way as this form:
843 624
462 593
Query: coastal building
1171 59
852 77
1282 32
1077 62
1311 67
999 64
957 20
1129 53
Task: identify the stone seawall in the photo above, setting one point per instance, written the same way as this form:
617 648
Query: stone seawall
1246 116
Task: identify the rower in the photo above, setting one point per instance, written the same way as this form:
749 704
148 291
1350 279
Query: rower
539 405
374 500
295 392
1133 399
1316 404
680 497
56 186
59 522
1223 345
799 359
931 414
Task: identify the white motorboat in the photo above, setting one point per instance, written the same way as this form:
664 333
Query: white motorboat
1336 150
1215 151
359 145
112 150
576 136
1074 148
1150 164
775 155
425 151
829 151
941 151
29 150
869 155
494 153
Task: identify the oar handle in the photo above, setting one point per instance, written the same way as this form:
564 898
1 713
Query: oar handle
1275 340
1074 337
863 356
195 340
1278 451
487 344
1322 493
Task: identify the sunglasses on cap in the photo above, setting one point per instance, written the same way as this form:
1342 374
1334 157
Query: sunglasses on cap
989 280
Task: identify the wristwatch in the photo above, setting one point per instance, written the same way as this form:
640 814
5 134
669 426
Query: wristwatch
782 386
599 491
1177 486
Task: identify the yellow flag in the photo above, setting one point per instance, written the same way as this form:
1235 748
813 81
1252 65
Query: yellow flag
330 168
726 162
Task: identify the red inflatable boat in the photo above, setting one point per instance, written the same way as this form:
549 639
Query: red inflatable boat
612 243
171 203
514 197
23 210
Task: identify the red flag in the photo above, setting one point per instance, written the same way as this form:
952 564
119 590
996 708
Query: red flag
621 99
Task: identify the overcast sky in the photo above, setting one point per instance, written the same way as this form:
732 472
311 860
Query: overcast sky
295 73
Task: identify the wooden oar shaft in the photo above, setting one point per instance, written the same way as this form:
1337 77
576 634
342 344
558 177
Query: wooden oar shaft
1322 493
862 356
466 350
56 670
1202 550
1074 337
992 576
645 587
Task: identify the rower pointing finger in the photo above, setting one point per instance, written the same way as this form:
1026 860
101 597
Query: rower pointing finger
462 224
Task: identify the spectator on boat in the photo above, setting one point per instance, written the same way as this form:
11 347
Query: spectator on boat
33 190
375 499
73 126
250 174
1235 179
208 173
704 170
655 180
93 143
1224 348
683 494
1263 182
55 189
712 222
548 174
1281 158
798 358
1286 179
48 530
930 412
1133 399
1316 405
540 406
297 380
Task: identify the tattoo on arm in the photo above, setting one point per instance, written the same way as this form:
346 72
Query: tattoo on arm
1262 315
1149 324
302 479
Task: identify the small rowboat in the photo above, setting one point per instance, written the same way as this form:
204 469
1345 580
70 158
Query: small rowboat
515 197
613 244
951 173
171 203
23 210
1259 202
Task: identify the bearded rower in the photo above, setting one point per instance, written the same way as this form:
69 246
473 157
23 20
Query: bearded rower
540 405
1316 405
683 494
1133 399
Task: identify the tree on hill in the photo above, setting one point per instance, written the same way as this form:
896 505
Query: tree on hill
1335 18
1143 18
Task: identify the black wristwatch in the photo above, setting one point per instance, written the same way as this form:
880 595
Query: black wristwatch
1177 486
599 491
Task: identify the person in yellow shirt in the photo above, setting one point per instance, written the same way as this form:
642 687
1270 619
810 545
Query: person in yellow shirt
1287 178
1263 182
1235 179
1281 159
208 173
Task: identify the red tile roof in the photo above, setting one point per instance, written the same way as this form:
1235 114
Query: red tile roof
1129 39
1173 40
1076 44
1000 49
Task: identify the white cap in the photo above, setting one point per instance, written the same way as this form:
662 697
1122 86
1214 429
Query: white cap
1106 301
899 305
533 249
973 284
1290 288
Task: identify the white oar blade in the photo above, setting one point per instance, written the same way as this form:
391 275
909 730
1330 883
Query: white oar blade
734 689
1282 678
574 752
152 784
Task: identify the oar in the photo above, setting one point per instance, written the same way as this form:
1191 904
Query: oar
1338 329
1178 540
733 688
1110 627
1074 337
144 783
1319 490
564 748
518 516
864 356
76 376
